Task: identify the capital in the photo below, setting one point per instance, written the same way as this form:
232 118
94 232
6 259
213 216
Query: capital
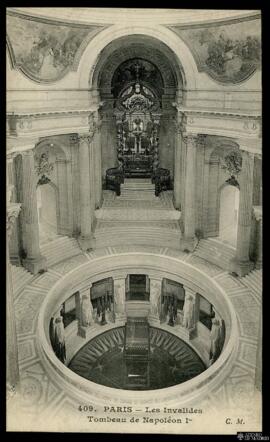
190 139
201 140
85 138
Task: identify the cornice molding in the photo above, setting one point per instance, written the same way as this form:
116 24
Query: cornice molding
40 114
217 112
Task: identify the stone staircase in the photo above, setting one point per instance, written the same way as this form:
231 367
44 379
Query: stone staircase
137 233
215 252
253 281
20 278
137 189
138 217
60 249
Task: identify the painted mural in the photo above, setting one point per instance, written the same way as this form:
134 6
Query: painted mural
43 50
228 53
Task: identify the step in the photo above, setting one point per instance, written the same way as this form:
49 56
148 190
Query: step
254 281
60 250
172 243
215 252
20 278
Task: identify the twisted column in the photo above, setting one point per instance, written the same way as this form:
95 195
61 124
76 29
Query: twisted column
86 192
241 264
187 242
12 364
34 262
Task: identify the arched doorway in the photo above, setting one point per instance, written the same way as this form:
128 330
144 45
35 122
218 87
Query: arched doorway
228 214
138 80
47 212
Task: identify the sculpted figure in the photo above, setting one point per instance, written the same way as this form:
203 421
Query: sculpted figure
188 311
154 298
119 298
215 340
87 311
60 347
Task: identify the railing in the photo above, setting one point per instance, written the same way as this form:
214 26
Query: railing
162 180
114 179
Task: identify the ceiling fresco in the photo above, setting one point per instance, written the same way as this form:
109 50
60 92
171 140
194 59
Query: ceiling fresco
46 51
229 53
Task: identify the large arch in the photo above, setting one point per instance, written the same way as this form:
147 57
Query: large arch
137 46
89 61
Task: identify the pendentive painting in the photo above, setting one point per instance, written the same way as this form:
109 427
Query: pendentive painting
228 53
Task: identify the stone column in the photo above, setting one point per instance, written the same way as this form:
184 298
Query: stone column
33 262
259 240
241 264
187 241
155 300
86 206
12 364
119 285
98 165
177 168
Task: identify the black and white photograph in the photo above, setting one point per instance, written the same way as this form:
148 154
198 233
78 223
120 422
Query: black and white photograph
134 221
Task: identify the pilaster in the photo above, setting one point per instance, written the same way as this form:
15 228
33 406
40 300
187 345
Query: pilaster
187 241
12 364
86 238
177 167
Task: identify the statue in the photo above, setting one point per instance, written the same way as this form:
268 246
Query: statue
119 299
188 311
60 347
87 311
215 340
154 299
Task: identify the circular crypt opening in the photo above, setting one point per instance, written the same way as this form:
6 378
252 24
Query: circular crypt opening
137 357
